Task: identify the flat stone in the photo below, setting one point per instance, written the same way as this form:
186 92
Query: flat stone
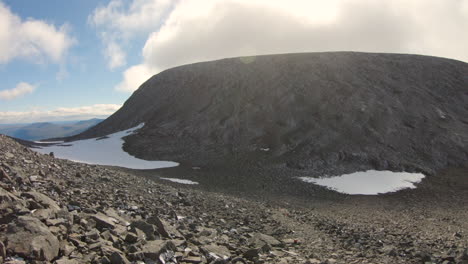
153 248
66 260
6 196
216 251
148 229
103 221
30 238
164 228
259 240
42 199
192 259
118 258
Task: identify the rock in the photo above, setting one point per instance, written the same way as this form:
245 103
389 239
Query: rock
251 253
4 176
163 227
216 252
6 196
153 248
65 260
42 199
148 229
30 238
118 258
192 259
92 235
35 178
131 238
2 250
389 250
103 221
259 240
15 261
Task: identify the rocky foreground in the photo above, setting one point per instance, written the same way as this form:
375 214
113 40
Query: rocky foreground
58 211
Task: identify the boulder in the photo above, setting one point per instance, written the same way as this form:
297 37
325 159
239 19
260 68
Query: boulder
103 221
154 248
148 229
42 199
6 196
164 228
66 260
259 240
30 238
216 252
118 258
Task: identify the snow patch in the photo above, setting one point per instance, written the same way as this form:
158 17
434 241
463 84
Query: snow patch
181 181
369 182
48 142
103 151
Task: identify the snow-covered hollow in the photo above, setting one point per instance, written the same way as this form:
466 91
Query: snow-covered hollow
369 182
103 151
181 181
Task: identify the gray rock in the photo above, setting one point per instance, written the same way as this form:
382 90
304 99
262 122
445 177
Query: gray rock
259 240
42 199
118 258
30 238
148 229
2 250
216 252
163 228
154 248
103 221
6 196
65 260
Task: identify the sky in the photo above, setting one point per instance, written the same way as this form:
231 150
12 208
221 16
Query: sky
80 59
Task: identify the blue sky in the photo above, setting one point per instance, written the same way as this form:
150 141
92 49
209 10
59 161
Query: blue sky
79 59
87 79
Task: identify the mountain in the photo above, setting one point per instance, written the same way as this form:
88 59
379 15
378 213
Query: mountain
325 113
45 130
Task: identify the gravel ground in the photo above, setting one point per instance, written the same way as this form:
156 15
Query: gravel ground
96 214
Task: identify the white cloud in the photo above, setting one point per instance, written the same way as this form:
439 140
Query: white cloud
21 89
116 56
200 30
60 114
34 40
134 77
118 21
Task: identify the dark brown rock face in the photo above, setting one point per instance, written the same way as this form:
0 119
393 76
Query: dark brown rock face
330 112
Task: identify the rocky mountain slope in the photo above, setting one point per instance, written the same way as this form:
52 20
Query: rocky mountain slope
327 113
58 211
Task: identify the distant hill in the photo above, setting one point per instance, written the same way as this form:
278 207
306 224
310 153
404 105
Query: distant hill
45 130
327 113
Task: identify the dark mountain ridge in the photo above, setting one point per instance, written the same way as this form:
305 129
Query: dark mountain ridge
321 112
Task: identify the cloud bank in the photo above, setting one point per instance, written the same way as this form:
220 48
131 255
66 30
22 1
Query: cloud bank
198 30
119 21
33 40
60 114
21 89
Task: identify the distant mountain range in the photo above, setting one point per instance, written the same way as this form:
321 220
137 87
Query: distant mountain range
45 130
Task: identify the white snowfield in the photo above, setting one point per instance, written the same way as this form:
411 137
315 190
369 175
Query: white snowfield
369 182
181 181
48 142
103 151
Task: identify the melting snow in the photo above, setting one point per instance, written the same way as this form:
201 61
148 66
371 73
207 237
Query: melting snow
103 151
182 181
48 142
369 182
